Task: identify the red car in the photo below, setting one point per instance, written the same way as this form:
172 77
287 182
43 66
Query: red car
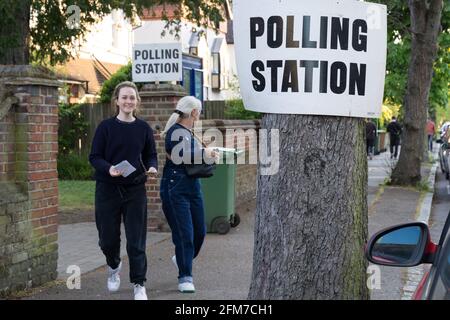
409 245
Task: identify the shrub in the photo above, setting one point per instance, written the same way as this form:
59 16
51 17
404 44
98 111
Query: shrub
74 167
72 127
234 109
123 74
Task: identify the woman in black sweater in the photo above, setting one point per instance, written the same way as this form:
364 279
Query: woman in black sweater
120 193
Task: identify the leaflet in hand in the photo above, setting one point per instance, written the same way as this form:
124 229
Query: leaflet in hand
125 167
219 149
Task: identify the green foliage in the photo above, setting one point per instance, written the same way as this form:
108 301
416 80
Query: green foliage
422 186
234 109
399 48
440 85
72 166
442 115
397 71
387 112
72 127
123 74
76 195
56 25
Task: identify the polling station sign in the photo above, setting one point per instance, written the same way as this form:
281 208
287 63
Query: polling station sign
157 62
319 57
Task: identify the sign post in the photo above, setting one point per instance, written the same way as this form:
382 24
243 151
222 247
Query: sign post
157 62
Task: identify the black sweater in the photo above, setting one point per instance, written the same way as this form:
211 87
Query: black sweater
115 141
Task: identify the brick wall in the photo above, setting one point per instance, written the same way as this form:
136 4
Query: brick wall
28 180
238 134
7 154
158 103
245 182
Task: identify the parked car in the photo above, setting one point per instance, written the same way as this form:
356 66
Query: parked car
444 157
409 245
444 149
444 127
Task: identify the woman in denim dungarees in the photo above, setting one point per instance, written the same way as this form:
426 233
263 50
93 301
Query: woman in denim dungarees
181 195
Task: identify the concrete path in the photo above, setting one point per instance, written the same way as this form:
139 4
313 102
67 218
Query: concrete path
78 246
223 269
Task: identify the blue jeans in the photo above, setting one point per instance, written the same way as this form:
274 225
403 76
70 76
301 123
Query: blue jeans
182 204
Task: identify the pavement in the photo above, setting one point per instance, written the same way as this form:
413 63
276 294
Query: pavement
223 269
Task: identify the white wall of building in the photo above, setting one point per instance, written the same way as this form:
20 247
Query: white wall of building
150 32
110 40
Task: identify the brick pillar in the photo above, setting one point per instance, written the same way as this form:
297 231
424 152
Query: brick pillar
28 216
158 103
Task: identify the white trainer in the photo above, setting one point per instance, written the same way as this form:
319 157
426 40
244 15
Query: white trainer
186 287
114 278
140 292
174 260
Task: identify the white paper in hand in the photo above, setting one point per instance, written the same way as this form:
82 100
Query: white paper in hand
125 167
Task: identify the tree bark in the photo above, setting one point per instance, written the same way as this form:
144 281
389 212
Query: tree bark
15 37
425 26
311 217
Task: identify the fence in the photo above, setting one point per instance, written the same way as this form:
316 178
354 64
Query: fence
94 113
214 110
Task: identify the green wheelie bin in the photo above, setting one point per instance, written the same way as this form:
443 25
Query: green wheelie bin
219 194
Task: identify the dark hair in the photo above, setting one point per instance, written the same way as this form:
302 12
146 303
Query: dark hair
115 96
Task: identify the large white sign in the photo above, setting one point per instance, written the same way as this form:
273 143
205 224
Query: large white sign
317 57
157 62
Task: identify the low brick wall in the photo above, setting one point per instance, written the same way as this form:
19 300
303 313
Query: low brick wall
246 173
158 103
28 179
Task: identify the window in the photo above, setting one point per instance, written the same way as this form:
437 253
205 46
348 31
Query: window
193 51
193 76
198 80
193 43
187 80
75 90
215 74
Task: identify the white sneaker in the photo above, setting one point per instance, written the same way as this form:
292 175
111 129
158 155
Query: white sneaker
174 260
186 287
140 292
114 278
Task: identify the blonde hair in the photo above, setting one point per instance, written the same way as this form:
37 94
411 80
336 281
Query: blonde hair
115 96
184 108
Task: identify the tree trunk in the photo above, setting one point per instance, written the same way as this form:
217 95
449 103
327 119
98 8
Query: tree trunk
425 26
311 217
15 37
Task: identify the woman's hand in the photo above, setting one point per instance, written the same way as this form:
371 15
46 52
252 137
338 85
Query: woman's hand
212 153
114 172
152 172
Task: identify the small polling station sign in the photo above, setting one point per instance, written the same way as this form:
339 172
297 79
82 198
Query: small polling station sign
157 62
322 57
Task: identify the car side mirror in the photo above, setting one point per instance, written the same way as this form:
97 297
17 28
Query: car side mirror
405 245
